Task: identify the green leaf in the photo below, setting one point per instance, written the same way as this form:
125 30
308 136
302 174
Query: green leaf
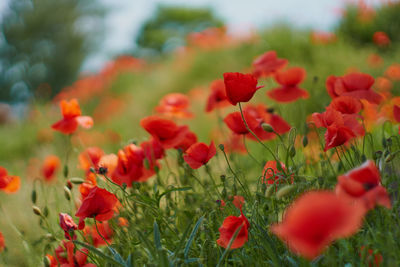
98 252
191 237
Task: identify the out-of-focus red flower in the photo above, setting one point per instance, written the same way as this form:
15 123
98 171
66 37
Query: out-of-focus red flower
346 105
8 183
105 230
71 113
199 154
230 225
383 85
175 105
357 85
74 258
371 258
271 174
2 242
90 158
235 122
374 60
50 166
52 260
152 150
363 184
89 183
316 219
322 38
393 72
235 144
217 97
166 131
381 39
68 225
240 87
267 64
99 204
238 201
289 80
130 166
340 127
189 139
123 222
396 113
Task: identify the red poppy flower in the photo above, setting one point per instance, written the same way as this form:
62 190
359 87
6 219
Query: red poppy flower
105 230
396 113
166 131
363 184
381 39
346 105
99 204
271 175
152 150
71 113
175 105
50 166
199 154
75 258
89 183
323 38
189 139
68 225
2 242
289 81
374 60
316 219
340 127
8 183
240 87
267 64
371 258
356 85
217 97
238 201
90 158
130 165
235 122
230 225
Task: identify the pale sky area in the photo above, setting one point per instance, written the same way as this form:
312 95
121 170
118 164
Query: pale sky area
125 17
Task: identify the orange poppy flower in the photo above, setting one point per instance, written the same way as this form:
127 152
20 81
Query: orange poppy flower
8 183
50 167
289 80
374 60
105 230
363 184
90 158
71 113
393 72
67 255
174 105
2 242
315 220
322 38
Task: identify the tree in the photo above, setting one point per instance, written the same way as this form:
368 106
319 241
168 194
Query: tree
43 45
168 28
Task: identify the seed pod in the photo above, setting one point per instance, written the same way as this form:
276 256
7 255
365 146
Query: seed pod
284 191
46 211
65 171
77 180
33 196
37 210
67 193
267 127
221 146
292 151
305 141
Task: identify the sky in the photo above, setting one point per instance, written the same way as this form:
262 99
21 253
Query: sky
124 18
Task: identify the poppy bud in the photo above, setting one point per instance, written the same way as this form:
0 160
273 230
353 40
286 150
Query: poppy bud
77 180
33 196
363 158
67 193
65 171
264 187
305 141
221 146
37 210
46 261
267 127
223 193
292 151
92 170
46 211
68 184
377 155
270 190
284 191
384 143
223 177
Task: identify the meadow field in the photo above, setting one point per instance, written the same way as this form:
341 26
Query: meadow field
278 148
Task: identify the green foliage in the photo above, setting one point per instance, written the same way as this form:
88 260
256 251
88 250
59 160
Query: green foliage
360 28
44 45
169 26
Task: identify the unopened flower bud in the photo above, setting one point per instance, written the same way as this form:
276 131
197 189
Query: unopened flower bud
37 210
284 191
77 180
390 157
305 141
267 127
67 193
33 196
221 146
